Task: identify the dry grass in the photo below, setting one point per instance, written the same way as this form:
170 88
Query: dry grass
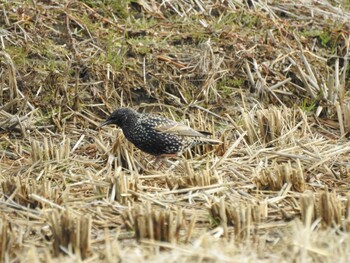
268 78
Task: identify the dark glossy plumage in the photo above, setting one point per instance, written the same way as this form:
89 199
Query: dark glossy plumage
156 135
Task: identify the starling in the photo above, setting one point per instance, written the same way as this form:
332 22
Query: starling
157 135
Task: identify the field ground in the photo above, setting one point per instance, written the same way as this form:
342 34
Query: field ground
268 78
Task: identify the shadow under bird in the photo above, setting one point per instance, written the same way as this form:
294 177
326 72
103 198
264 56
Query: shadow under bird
157 135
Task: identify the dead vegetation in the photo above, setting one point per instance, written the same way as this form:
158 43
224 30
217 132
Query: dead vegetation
269 78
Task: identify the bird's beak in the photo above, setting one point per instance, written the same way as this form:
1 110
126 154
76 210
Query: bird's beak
106 122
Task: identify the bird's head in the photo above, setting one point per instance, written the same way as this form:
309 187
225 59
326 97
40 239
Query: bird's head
121 117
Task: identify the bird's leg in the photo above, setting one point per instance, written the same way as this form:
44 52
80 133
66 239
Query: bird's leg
161 159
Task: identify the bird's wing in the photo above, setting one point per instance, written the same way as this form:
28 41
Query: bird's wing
179 129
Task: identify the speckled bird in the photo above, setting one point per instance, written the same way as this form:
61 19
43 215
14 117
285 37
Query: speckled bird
157 135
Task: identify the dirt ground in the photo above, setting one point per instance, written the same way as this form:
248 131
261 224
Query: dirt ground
270 79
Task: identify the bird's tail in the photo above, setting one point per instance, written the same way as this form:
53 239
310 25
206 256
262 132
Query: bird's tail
210 141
